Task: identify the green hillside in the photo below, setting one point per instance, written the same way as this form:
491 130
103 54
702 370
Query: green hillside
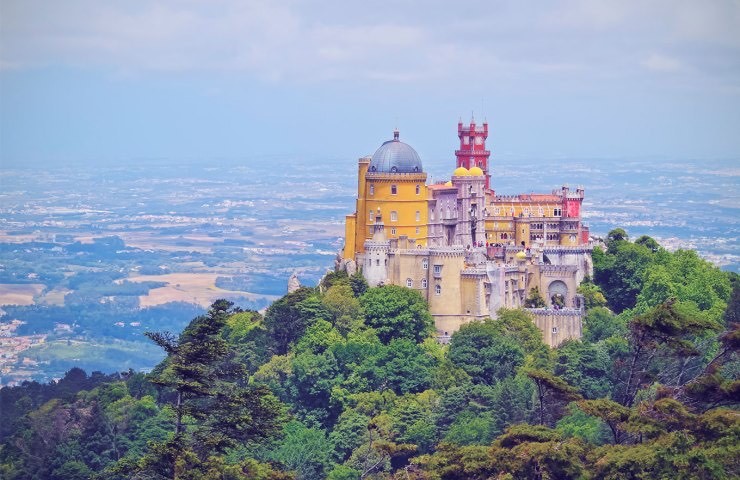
346 382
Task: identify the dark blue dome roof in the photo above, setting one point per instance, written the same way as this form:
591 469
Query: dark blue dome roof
394 156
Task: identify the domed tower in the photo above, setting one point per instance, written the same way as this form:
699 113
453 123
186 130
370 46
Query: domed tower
392 186
472 152
471 206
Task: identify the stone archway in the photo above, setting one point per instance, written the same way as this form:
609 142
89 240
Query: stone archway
557 293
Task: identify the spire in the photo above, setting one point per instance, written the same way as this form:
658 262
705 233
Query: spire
395 134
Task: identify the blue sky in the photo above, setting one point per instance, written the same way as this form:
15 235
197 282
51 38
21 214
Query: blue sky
107 82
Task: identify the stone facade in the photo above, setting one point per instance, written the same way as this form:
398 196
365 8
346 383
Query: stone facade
468 251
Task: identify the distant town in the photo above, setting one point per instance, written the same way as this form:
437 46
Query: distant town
90 261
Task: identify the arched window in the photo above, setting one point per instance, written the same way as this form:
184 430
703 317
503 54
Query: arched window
425 263
418 189
423 283
394 190
409 283
418 216
394 216
372 189
437 289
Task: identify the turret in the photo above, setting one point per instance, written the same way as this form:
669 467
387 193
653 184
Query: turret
376 254
472 152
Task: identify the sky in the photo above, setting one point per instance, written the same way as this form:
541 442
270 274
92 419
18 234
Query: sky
201 81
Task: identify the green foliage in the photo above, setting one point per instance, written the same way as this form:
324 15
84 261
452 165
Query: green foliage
534 299
401 366
344 308
303 450
397 313
578 424
371 395
592 294
484 352
469 429
600 323
620 273
358 284
287 318
585 366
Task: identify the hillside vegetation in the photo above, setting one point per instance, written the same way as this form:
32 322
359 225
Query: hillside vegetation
347 382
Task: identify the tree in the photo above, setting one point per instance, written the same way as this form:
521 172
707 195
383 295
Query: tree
592 295
210 394
648 242
484 352
663 330
358 284
534 299
287 318
344 308
620 272
611 413
304 450
397 312
615 237
402 366
600 323
585 366
552 392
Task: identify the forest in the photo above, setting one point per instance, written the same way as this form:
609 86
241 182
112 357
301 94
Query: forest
343 381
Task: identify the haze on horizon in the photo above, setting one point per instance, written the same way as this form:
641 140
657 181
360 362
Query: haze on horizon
110 82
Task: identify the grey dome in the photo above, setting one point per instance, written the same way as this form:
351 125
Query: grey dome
394 156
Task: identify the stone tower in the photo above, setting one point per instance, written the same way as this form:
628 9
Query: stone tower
472 152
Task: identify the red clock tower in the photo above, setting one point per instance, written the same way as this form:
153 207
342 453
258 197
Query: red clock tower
473 151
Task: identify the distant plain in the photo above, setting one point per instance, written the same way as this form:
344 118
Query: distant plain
127 248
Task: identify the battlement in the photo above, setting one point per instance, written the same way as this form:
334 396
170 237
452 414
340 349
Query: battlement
418 176
556 270
565 249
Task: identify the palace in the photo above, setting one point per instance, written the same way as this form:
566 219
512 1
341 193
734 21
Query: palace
468 250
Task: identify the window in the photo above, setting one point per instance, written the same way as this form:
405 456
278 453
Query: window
423 283
418 230
418 189
409 283
377 262
425 264
394 216
394 190
557 212
438 269
393 230
437 289
372 189
554 329
418 216
370 216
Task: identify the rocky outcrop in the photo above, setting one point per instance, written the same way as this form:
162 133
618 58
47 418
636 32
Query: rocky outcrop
293 283
343 265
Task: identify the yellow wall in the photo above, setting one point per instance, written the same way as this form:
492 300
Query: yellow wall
405 203
349 237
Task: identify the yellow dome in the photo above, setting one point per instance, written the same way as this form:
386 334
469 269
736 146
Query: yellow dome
476 172
521 255
448 183
461 172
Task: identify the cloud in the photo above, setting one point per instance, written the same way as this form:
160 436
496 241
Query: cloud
388 41
662 63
